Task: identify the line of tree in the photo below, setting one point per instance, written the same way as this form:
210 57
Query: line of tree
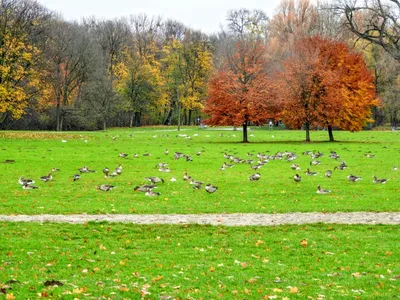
309 65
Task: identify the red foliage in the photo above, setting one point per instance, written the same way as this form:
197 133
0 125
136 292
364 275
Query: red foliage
239 92
324 83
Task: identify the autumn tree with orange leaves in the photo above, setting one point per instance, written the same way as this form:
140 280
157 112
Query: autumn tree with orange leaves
325 84
239 91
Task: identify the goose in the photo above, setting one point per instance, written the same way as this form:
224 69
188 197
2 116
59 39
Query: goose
186 177
154 179
146 154
295 167
106 172
382 180
46 178
322 191
225 165
23 181
369 155
256 167
342 166
173 179
161 165
164 169
77 177
297 178
29 187
334 155
166 152
152 194
328 173
316 155
211 188
309 173
198 153
353 178
123 155
144 188
395 168
55 170
315 163
135 155
188 158
118 170
178 155
85 169
105 187
196 184
255 177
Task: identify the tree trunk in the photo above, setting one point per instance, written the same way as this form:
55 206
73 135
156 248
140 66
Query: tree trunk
179 114
61 121
58 117
330 131
168 119
307 125
104 125
245 139
190 117
137 119
131 119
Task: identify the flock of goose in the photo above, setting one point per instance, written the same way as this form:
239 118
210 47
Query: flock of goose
256 163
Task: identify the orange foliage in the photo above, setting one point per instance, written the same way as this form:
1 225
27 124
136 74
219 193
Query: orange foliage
239 91
324 83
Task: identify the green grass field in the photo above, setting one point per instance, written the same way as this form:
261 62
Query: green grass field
104 261
35 154
125 261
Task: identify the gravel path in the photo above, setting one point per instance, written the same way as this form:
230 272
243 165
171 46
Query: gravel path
219 219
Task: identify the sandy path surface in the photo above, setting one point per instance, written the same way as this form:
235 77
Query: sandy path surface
219 219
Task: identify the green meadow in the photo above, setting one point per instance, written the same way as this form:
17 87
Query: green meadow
126 261
36 153
120 261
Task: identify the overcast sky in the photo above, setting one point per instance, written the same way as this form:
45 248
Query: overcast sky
206 15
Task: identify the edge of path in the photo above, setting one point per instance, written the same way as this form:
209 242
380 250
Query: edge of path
246 219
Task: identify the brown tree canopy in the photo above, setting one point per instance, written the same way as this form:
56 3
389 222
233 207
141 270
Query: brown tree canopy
239 93
324 83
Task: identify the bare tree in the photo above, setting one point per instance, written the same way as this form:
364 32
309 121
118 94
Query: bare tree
375 21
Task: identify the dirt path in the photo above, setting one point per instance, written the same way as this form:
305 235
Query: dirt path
219 219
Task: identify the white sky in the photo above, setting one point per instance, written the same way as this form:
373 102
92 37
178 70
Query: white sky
206 15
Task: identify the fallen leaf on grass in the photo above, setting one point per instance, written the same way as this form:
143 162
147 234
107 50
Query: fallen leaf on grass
158 278
304 243
294 290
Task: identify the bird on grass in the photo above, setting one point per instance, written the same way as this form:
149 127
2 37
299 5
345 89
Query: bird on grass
315 163
186 177
328 174
118 170
23 181
77 177
123 155
322 191
154 179
29 187
144 188
395 168
381 180
353 178
105 187
297 178
166 152
309 173
85 169
55 170
152 194
255 177
295 167
211 188
196 184
106 172
342 166
47 178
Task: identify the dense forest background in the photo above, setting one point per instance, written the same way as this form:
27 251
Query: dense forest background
125 72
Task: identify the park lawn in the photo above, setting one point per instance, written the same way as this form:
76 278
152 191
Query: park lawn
36 153
199 262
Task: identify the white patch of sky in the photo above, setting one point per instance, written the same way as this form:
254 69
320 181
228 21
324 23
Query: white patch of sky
204 15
